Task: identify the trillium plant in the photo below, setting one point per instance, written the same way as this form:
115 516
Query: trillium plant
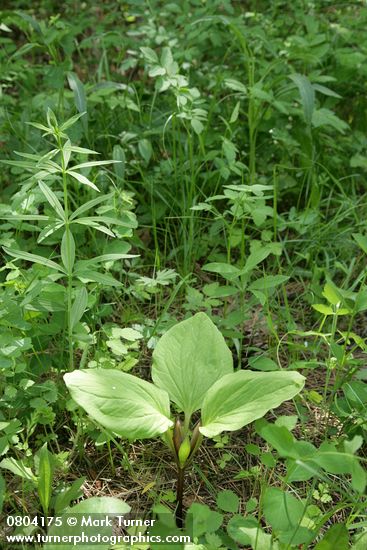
193 369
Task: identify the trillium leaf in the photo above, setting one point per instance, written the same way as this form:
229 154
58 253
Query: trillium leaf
121 402
188 359
240 398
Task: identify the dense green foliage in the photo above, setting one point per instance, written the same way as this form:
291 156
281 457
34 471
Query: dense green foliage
161 160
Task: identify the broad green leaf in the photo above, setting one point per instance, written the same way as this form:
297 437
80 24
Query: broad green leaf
280 438
68 251
149 55
331 294
94 508
228 501
324 309
201 519
254 259
336 462
282 510
66 496
45 477
197 125
82 179
336 537
157 71
79 97
241 397
360 541
327 310
261 362
52 199
267 282
79 306
127 333
189 359
122 403
307 94
227 271
247 532
34 258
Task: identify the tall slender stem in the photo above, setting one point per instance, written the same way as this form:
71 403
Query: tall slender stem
68 246
179 497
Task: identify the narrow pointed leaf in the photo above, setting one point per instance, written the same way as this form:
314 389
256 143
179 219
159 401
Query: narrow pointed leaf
105 219
84 264
68 251
97 226
119 168
34 258
26 217
71 121
81 150
307 93
94 163
49 230
39 127
121 402
90 204
240 398
79 97
79 306
188 359
96 277
45 477
82 179
52 200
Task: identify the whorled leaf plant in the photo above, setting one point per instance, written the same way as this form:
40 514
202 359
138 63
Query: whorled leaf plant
57 169
193 368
